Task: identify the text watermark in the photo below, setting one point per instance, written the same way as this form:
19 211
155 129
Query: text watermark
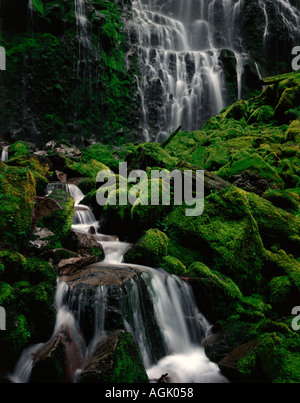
2 318
296 320
296 60
154 188
2 58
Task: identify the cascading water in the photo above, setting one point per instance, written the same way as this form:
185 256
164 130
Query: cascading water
4 154
179 44
181 328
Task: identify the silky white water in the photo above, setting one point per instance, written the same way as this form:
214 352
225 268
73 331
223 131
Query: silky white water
181 326
4 154
181 79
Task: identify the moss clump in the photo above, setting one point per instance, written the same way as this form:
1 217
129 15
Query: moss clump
19 149
284 199
216 294
281 291
226 237
38 166
59 222
150 250
173 265
26 292
115 360
279 358
17 196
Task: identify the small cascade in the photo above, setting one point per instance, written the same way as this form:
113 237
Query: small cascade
73 190
114 251
4 155
173 346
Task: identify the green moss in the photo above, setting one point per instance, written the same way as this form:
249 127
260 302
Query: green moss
254 163
59 222
173 265
226 237
216 294
278 363
285 199
127 368
19 148
150 249
27 292
280 294
17 195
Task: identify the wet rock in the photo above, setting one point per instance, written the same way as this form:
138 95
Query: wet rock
58 359
61 176
228 364
41 237
115 359
44 206
86 245
99 274
69 266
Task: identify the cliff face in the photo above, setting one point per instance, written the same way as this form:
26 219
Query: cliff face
72 66
66 75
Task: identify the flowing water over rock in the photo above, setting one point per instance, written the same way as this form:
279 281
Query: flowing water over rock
157 308
4 154
180 44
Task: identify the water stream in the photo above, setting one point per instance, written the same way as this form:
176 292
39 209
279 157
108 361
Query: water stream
4 154
181 326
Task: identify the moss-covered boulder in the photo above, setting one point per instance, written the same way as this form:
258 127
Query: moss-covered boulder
217 296
225 237
150 250
115 360
17 193
27 292
59 222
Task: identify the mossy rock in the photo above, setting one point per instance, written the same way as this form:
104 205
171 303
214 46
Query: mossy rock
105 154
293 132
276 226
173 265
150 155
217 295
39 167
59 222
26 291
279 358
225 237
17 195
284 199
115 360
281 294
262 115
243 162
150 250
19 149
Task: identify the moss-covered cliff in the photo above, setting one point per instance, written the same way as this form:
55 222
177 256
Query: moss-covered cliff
64 80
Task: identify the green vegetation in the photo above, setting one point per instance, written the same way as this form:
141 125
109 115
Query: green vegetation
241 256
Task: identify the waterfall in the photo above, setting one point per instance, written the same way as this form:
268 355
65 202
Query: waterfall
179 44
4 155
180 326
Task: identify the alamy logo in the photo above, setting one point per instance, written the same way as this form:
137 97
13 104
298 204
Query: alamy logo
2 318
152 188
2 58
296 320
296 60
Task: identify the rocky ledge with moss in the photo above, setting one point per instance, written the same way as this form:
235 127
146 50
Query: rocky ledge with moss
241 256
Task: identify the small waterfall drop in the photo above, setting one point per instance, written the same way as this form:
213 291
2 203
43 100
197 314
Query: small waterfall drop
4 154
177 348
